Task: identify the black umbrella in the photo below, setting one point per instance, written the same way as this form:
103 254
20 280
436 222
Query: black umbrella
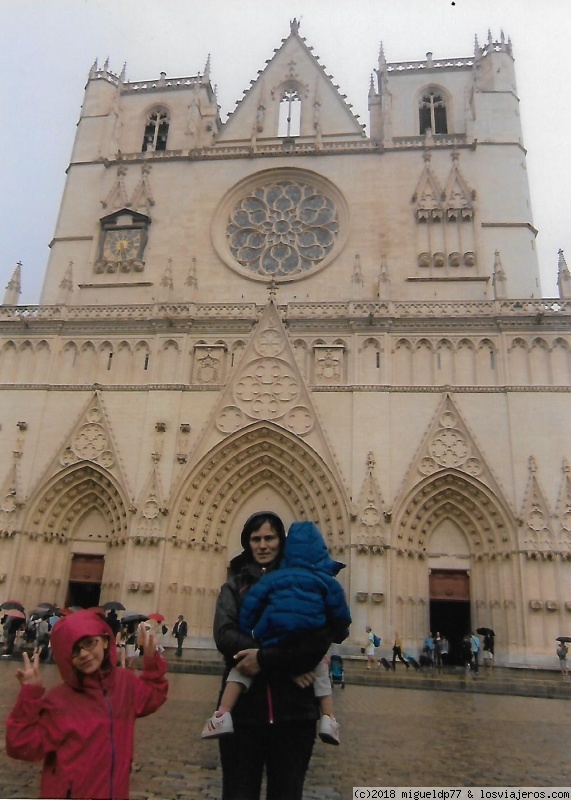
9 604
563 639
133 616
113 605
44 611
485 631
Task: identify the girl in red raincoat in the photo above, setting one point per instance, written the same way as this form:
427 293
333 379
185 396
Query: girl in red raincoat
83 729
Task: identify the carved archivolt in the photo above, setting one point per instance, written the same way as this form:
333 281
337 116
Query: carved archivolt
258 455
469 503
69 496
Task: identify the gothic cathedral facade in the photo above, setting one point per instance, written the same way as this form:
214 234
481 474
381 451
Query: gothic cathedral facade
286 311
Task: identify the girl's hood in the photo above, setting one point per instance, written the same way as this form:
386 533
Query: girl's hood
68 631
305 547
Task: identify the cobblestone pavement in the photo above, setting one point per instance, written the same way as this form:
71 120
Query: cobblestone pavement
390 737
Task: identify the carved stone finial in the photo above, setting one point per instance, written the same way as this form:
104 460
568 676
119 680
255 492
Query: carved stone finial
532 464
294 25
499 279
14 286
272 290
167 279
192 278
370 461
357 277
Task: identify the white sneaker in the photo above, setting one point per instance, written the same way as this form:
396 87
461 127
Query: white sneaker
328 730
218 726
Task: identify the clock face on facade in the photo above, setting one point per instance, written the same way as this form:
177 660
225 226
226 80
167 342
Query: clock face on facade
122 245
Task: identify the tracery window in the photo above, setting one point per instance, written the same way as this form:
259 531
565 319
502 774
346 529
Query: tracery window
432 113
156 131
282 229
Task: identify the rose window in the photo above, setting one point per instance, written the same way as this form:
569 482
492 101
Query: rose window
282 229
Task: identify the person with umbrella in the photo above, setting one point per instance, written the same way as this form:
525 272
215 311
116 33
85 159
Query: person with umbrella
488 648
13 619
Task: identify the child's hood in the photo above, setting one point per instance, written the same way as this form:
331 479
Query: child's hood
305 547
68 631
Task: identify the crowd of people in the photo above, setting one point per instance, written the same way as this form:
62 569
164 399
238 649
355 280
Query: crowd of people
435 651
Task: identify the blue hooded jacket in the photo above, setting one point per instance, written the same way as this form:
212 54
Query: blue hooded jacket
301 595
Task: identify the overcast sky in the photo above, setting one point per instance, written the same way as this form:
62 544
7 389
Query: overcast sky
47 48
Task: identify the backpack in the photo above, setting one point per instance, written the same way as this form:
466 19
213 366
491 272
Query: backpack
376 640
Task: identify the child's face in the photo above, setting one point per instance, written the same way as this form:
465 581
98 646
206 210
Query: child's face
88 653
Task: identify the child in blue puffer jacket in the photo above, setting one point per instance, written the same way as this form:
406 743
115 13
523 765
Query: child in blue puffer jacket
301 595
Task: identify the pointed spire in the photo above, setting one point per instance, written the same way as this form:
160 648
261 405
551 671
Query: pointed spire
106 65
14 286
499 279
357 277
384 283
476 47
563 277
207 69
93 70
192 278
123 73
372 86
167 280
382 59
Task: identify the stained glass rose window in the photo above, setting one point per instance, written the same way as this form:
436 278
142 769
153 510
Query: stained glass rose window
282 229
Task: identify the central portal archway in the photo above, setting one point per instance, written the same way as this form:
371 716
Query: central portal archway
258 464
449 605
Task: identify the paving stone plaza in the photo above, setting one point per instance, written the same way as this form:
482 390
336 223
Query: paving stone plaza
390 737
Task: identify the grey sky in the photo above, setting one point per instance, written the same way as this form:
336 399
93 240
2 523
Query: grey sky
48 46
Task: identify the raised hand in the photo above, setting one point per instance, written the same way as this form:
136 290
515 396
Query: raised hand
29 674
149 645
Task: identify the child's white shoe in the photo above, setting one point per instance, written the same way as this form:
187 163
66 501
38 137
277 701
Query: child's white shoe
218 726
329 730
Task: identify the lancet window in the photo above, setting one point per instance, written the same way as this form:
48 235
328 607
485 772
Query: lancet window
290 113
432 113
156 131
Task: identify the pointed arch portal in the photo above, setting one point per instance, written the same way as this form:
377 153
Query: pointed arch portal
82 509
471 528
209 505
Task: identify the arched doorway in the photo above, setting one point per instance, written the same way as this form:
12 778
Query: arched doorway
449 604
460 537
73 522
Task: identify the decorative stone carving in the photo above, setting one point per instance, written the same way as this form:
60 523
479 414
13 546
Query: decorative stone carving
362 597
329 362
208 364
535 605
